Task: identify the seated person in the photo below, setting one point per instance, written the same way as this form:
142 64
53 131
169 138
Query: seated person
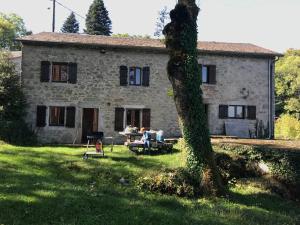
160 136
146 138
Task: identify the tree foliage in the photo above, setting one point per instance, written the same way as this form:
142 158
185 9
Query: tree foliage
12 101
97 20
11 27
287 83
162 20
71 25
12 105
185 76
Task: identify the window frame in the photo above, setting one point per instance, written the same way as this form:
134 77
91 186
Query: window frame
60 64
235 112
135 72
64 119
207 74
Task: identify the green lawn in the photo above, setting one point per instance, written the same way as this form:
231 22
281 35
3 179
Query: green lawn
54 185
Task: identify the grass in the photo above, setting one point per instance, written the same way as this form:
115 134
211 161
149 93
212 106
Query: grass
53 185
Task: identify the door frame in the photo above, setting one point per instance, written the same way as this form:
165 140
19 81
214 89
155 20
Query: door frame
82 118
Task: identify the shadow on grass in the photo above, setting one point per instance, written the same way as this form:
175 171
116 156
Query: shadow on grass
56 188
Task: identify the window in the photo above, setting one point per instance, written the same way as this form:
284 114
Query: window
56 116
236 111
208 74
204 74
135 76
134 117
58 72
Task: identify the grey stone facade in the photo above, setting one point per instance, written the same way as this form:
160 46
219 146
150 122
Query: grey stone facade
240 80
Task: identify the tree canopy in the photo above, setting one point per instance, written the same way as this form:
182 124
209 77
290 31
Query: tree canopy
12 26
287 83
97 20
71 25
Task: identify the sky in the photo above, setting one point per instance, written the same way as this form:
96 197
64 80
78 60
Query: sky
268 23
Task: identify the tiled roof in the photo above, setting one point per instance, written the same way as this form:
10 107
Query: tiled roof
99 40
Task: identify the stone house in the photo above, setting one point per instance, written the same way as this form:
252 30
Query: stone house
75 84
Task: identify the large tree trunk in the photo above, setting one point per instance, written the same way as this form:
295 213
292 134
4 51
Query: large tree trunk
185 76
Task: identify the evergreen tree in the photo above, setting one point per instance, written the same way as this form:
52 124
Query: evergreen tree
97 20
71 25
185 77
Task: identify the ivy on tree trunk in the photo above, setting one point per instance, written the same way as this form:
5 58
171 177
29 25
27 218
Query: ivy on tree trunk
185 76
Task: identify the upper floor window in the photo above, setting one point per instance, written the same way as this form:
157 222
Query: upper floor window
58 72
208 74
135 76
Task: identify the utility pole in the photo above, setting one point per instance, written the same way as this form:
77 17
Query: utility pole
53 18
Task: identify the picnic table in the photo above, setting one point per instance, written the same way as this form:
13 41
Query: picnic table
136 146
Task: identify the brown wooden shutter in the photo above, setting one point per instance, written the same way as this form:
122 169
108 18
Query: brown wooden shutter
146 76
251 114
70 122
212 71
146 118
45 71
123 75
73 73
223 111
119 119
41 115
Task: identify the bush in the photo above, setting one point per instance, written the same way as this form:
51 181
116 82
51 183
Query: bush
287 127
283 164
17 132
173 182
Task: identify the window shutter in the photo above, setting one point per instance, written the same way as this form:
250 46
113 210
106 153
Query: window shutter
146 118
212 71
146 76
223 111
123 75
70 122
251 112
119 119
45 71
73 73
41 116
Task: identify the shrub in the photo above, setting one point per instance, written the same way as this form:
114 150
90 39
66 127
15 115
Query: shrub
173 182
283 164
287 127
17 132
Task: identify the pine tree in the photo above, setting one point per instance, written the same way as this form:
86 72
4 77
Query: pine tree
184 75
97 20
71 25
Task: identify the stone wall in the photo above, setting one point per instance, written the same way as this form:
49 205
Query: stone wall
239 81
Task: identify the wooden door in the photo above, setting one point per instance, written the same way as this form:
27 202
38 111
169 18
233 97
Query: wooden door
89 122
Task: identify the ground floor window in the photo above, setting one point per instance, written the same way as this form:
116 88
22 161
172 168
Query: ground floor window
133 117
56 116
237 112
